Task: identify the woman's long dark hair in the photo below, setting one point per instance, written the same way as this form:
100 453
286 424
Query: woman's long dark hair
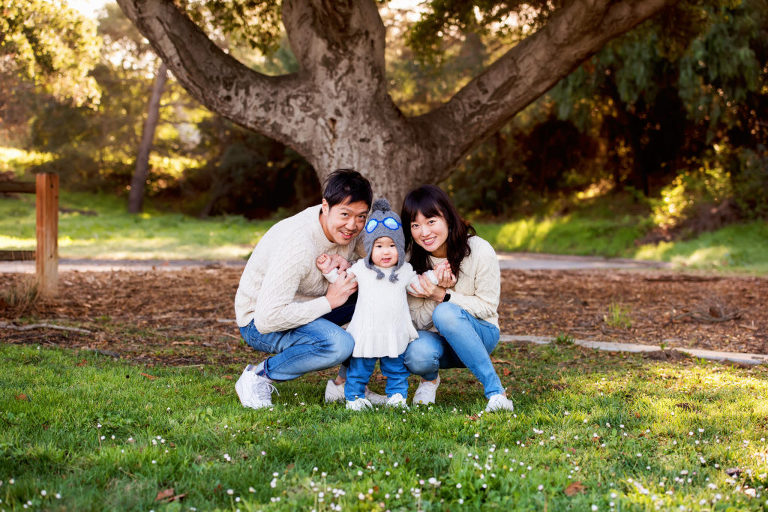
431 201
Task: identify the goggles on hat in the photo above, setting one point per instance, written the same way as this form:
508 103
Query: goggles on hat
390 222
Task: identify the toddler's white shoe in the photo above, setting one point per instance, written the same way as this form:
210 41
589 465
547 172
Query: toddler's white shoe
499 403
359 404
397 400
375 398
334 392
254 391
425 393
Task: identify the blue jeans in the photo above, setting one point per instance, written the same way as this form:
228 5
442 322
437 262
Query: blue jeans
462 341
361 368
318 345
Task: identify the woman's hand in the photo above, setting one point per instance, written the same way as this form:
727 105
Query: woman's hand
431 291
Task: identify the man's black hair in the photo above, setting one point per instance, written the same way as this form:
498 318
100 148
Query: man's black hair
347 183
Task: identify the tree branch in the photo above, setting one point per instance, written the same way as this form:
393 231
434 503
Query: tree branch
216 79
532 67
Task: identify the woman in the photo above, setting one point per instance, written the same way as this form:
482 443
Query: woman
460 311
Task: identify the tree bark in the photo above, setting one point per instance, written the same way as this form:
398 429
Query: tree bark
140 173
336 110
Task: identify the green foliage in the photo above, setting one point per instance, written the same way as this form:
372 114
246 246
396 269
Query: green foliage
84 432
750 183
690 191
255 24
248 174
52 45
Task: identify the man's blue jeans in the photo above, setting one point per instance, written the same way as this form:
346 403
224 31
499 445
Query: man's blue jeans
316 346
463 341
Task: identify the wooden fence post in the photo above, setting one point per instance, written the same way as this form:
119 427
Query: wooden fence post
47 255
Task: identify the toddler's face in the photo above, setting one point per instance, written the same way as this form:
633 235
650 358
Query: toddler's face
384 252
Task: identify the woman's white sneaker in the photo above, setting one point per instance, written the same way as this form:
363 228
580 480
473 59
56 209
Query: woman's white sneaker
359 404
499 403
425 393
397 400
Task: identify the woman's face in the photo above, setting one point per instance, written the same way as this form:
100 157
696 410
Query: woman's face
431 233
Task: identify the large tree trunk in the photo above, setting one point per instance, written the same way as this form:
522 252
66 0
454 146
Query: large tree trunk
336 111
140 173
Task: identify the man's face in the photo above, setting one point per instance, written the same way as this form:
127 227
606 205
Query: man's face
343 222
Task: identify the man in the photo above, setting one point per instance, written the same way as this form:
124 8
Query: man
284 305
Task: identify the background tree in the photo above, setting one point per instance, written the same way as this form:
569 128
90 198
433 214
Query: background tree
44 49
337 111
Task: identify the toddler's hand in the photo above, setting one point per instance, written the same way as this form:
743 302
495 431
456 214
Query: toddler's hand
445 278
324 263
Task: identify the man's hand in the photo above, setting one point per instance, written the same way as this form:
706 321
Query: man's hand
339 291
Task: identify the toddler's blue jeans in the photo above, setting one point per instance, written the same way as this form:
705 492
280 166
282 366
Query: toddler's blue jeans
461 341
361 369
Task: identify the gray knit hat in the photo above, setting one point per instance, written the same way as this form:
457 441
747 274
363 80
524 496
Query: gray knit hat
383 222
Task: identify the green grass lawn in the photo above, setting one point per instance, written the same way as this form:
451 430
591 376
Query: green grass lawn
114 234
592 431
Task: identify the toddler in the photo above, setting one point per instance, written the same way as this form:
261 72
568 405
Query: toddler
381 324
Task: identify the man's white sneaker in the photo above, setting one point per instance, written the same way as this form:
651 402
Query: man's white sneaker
397 400
425 393
375 398
359 404
254 391
499 403
334 392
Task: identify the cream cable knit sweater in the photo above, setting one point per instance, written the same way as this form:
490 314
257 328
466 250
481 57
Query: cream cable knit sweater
477 289
281 288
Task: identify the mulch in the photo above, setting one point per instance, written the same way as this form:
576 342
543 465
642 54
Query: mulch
186 317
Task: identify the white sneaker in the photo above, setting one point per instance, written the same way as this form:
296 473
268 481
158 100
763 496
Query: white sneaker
360 404
397 400
375 398
499 403
254 391
334 392
425 393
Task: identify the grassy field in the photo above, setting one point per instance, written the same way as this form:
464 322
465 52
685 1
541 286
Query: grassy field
592 431
99 227
92 226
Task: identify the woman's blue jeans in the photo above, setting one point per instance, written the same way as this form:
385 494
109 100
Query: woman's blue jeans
318 345
461 341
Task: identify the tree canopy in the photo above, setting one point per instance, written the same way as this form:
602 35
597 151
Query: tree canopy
337 110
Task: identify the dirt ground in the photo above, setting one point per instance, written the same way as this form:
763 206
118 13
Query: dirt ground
186 317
